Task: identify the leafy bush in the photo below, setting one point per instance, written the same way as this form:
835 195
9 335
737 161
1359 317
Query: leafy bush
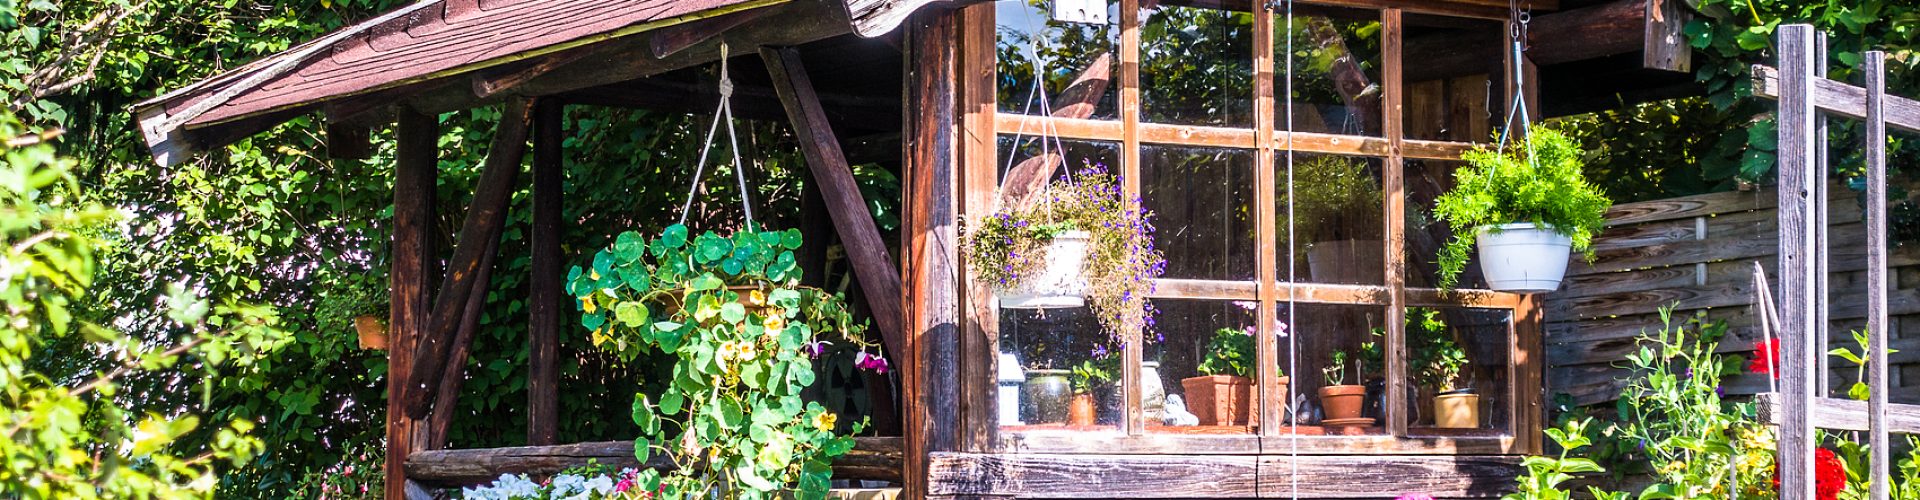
1334 196
1494 188
1230 352
731 311
361 473
1007 247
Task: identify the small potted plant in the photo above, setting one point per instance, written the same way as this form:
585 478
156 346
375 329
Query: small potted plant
1080 243
1338 216
1341 403
1086 378
1527 209
1224 395
1438 362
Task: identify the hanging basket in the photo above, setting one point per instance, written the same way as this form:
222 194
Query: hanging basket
1522 257
1060 282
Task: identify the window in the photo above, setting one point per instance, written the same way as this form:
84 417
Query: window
1290 195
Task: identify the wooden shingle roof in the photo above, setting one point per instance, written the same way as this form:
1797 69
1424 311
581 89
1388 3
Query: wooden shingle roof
425 41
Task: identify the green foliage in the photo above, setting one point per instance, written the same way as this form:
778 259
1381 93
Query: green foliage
1336 197
360 474
1859 390
731 313
1336 369
1665 149
1434 356
68 436
1008 246
1547 189
1545 474
1229 352
1094 374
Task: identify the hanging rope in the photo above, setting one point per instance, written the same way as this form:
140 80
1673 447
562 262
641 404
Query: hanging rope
723 114
1293 343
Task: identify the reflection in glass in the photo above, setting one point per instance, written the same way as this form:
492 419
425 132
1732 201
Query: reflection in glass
1196 64
1338 233
1202 201
1036 163
1198 368
1070 52
1336 85
1048 360
1457 366
1425 181
1339 377
1455 78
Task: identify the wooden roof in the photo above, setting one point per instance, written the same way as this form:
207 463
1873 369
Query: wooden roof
433 40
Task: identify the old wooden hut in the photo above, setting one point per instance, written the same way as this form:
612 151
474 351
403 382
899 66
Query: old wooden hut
1237 123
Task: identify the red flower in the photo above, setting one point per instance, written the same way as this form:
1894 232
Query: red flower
1829 475
1766 355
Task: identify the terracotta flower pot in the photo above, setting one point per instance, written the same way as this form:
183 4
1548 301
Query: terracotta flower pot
1456 410
1219 399
1081 413
373 332
1342 401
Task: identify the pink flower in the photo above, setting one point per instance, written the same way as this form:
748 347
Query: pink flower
1414 496
624 485
870 362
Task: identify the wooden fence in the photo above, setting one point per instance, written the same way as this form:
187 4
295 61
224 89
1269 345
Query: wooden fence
1698 252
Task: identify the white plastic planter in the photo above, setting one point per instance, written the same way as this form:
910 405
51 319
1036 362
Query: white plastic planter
1521 257
1060 282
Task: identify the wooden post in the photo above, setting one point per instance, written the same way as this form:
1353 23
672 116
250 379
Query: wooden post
1266 353
1823 381
416 163
931 238
485 220
1394 188
879 279
978 159
545 287
448 395
1796 152
1878 443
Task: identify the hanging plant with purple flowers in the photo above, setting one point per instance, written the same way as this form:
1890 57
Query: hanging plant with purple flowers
1082 241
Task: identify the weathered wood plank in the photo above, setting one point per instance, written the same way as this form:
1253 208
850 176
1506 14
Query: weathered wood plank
1796 154
416 158
446 397
1844 414
485 220
980 335
930 227
1665 45
879 278
1878 440
1218 476
871 458
1840 99
1393 182
544 308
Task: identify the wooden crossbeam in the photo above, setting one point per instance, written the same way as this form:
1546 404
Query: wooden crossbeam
1842 99
879 276
1843 414
485 220
1217 476
875 458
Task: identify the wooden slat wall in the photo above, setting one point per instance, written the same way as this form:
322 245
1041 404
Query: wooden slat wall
1699 251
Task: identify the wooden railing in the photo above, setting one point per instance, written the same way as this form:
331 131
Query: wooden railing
873 458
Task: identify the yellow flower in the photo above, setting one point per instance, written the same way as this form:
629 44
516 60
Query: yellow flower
754 297
774 324
825 420
593 273
586 304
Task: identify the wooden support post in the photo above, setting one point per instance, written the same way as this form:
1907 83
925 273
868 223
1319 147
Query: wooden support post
1394 206
448 394
1878 442
879 279
485 220
977 161
931 231
1266 349
1797 116
415 167
546 289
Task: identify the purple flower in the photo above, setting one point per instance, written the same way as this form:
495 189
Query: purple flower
814 349
870 362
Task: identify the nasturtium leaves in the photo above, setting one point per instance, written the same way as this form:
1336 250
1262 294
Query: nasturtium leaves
632 314
642 450
670 403
674 237
790 239
733 312
705 281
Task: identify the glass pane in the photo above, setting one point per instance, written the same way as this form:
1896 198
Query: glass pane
1070 53
1202 201
1196 64
1329 398
1339 235
1335 85
1031 156
1425 181
1057 371
1457 369
1456 81
1198 368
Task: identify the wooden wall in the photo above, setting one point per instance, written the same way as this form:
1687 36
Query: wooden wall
1698 252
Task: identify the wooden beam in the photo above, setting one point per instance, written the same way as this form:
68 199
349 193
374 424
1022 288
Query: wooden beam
348 141
874 458
1617 27
673 39
930 227
879 278
1841 99
485 220
1219 476
544 312
978 177
416 164
446 397
1798 111
1842 414
492 82
1665 46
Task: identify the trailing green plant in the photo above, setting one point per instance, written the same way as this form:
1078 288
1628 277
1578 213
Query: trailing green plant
1495 187
731 311
1231 351
1336 370
1007 247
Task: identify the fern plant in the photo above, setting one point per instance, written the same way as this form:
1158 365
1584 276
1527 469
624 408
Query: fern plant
1498 187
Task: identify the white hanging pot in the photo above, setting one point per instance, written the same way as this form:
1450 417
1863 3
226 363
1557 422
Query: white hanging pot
1521 257
1060 282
